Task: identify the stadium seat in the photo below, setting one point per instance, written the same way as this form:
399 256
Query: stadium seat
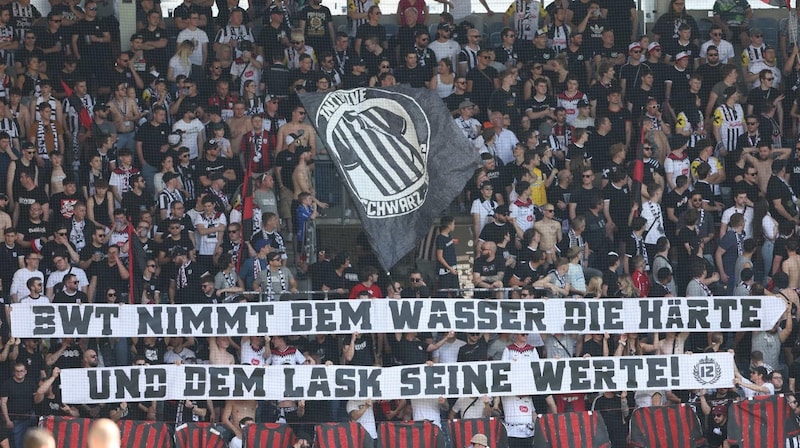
571 430
493 27
138 434
666 427
410 435
68 431
391 29
199 435
761 422
461 431
273 435
769 27
495 40
704 27
342 435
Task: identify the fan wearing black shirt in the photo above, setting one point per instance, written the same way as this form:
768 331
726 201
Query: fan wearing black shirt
476 349
500 228
446 254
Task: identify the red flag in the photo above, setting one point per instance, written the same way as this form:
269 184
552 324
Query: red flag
83 113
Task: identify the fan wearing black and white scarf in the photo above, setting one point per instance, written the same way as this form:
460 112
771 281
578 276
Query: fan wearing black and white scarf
276 279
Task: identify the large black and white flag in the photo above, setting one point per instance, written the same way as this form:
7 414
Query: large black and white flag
401 156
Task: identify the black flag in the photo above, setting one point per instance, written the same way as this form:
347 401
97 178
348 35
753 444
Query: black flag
401 156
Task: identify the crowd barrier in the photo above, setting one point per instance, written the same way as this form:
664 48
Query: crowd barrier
666 427
571 430
462 430
754 423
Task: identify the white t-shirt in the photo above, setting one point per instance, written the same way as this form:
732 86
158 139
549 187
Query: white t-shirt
190 132
483 209
58 276
367 419
448 353
19 283
41 300
427 409
469 407
725 49
199 37
748 218
519 412
206 244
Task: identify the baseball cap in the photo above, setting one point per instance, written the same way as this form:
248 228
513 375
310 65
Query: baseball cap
681 55
479 439
729 92
634 45
501 210
260 244
485 156
584 103
719 410
465 104
101 106
541 32
169 176
653 45
444 26
208 144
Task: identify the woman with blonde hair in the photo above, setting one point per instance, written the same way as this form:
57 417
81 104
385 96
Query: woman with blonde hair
179 64
594 289
626 288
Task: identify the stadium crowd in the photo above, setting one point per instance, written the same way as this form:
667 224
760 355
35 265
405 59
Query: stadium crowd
613 165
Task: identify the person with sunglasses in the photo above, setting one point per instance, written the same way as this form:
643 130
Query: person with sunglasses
724 47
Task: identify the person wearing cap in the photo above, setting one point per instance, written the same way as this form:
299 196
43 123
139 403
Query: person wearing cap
275 280
677 78
631 72
755 51
444 46
728 122
469 126
717 427
724 47
755 76
192 129
211 163
479 441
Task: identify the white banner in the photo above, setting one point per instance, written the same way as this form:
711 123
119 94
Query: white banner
573 316
306 382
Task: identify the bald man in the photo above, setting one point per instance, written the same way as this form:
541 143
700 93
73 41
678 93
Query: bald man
104 433
38 438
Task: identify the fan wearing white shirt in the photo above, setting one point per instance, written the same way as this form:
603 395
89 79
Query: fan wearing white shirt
35 296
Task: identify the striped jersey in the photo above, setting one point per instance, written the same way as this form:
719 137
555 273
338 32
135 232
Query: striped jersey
730 120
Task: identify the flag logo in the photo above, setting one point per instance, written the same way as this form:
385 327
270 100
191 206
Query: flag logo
707 371
381 141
